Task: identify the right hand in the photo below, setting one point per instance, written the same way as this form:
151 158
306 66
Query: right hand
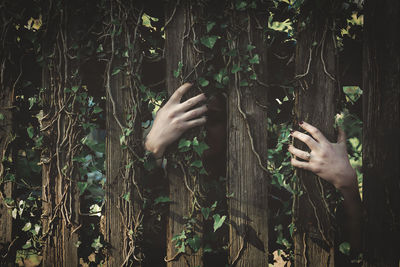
173 119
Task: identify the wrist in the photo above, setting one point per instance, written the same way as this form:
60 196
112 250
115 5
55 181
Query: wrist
347 183
156 149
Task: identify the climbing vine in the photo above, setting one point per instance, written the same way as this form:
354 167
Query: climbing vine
77 70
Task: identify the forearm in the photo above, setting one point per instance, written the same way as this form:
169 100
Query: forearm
353 211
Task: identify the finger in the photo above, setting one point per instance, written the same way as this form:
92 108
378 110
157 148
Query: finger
196 122
341 136
194 113
191 102
300 164
305 138
313 131
177 95
298 153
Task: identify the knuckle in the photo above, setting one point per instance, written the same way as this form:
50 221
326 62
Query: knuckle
307 138
195 113
179 125
315 168
190 102
313 131
324 154
171 115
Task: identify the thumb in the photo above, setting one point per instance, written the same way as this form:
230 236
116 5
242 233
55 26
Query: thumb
341 136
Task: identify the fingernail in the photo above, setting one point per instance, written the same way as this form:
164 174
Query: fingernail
301 122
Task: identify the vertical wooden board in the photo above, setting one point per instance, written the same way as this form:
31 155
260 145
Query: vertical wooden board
315 103
6 102
114 228
381 145
123 203
247 181
6 188
60 195
177 46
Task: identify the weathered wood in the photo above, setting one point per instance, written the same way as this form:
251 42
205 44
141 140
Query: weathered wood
7 79
381 145
247 177
315 103
123 202
62 133
60 195
6 187
178 48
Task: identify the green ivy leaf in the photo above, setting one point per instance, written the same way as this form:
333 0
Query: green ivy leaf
182 248
27 245
1 116
218 221
209 41
210 25
195 243
241 5
250 47
100 48
82 186
97 109
236 68
197 164
255 59
27 226
184 145
30 131
203 82
35 230
253 76
116 71
75 88
127 196
178 70
345 248
200 147
205 212
162 199
244 83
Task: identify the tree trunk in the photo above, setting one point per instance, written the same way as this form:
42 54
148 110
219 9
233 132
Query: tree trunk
315 104
247 177
381 145
123 192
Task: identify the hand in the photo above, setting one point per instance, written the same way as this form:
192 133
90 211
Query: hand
327 160
173 119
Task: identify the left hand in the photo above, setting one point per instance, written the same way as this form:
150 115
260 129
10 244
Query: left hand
327 160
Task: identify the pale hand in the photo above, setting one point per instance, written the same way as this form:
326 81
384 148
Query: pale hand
173 119
327 160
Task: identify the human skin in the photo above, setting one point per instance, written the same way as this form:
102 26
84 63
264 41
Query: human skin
173 119
327 160
330 162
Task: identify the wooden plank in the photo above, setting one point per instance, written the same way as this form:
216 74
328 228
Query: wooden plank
60 195
381 122
315 103
6 188
247 178
123 202
179 49
6 102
